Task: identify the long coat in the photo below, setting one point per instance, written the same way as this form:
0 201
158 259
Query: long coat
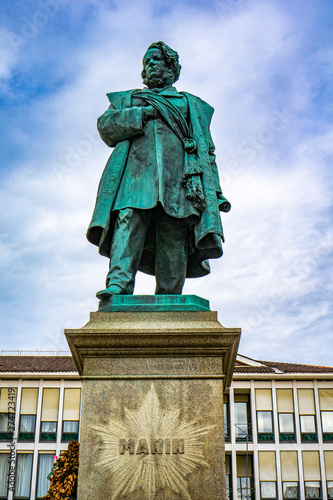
206 230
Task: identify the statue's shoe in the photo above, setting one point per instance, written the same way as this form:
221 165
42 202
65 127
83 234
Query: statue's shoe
109 292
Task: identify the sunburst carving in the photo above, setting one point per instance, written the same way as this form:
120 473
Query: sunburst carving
142 466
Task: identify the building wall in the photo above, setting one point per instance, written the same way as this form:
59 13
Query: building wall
35 445
306 445
259 454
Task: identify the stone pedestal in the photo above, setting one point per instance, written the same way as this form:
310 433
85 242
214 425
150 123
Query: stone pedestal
152 403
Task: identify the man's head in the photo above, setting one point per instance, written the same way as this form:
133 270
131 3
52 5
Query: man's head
160 66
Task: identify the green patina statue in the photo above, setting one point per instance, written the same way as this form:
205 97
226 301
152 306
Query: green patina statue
158 202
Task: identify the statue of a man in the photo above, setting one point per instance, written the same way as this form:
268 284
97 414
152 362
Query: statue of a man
158 202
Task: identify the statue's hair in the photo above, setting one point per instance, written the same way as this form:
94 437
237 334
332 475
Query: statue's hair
171 58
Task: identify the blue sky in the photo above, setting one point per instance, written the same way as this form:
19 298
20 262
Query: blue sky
265 66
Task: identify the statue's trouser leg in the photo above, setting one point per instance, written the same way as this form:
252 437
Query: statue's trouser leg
126 248
171 253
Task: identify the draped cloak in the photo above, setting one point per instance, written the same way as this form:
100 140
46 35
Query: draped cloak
206 230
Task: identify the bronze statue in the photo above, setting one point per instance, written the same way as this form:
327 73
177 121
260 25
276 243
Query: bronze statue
158 202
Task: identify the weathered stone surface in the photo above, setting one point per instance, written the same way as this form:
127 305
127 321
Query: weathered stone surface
154 366
151 418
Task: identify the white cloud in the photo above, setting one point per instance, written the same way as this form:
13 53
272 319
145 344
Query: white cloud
274 174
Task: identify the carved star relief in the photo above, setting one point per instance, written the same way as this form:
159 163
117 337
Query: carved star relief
151 449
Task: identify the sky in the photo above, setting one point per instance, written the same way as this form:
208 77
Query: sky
266 68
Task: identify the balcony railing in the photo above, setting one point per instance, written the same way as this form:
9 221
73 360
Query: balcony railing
227 433
245 493
243 432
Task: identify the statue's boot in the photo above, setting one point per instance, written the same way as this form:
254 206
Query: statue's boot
109 292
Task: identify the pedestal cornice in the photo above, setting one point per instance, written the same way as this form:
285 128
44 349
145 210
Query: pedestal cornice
162 334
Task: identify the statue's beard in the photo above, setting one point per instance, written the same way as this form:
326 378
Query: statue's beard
159 81
153 83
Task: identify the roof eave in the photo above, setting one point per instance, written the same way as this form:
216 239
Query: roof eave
48 375
275 376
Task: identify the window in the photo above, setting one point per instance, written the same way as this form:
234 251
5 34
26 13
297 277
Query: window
327 421
228 479
264 422
328 457
48 427
226 421
326 411
27 423
242 420
267 474
267 489
7 412
308 424
4 471
245 489
23 475
28 414
286 423
290 489
312 489
49 419
329 489
311 471
227 486
45 464
3 422
70 426
289 474
264 414
307 413
285 408
71 416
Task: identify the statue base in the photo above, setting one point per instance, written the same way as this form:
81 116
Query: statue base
152 402
155 303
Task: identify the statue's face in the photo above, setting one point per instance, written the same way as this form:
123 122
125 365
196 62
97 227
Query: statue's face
156 69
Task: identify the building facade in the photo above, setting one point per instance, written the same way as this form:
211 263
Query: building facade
278 427
279 431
